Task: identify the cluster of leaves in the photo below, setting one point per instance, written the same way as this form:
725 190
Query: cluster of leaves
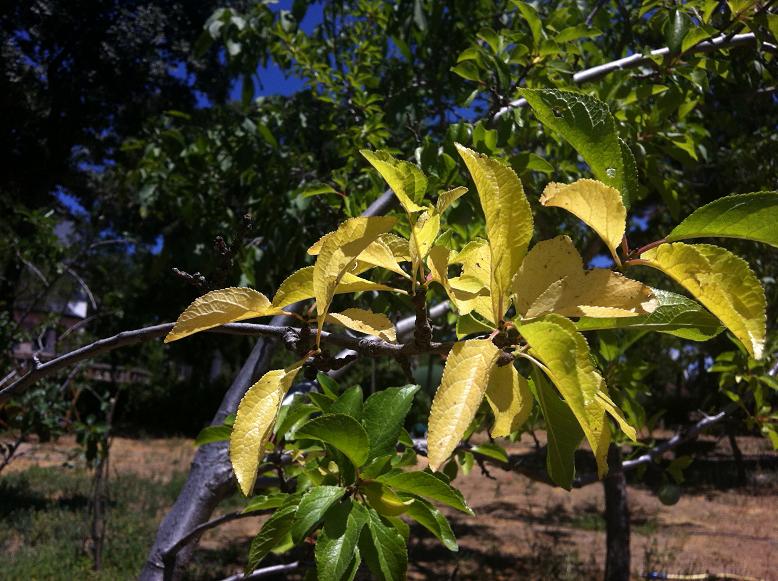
527 304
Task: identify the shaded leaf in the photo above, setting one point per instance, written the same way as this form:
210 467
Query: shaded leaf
426 485
383 417
313 505
341 432
509 397
364 321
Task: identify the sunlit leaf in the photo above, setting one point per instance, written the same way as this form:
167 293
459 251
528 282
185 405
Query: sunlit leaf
423 234
257 412
445 199
340 431
428 486
748 216
406 180
722 282
596 204
299 287
220 307
509 224
338 252
546 262
464 382
364 321
509 397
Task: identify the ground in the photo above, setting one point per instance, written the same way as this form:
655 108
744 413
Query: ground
522 529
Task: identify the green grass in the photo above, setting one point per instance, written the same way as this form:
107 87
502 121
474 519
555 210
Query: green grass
44 521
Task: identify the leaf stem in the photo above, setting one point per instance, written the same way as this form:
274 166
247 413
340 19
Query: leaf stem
648 247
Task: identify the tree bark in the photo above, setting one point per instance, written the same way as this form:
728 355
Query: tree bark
617 561
210 477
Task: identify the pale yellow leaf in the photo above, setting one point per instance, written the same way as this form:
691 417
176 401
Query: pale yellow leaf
445 199
399 246
254 421
597 205
423 234
467 292
476 260
406 180
510 399
615 413
462 387
722 282
595 293
367 322
547 262
220 307
564 352
509 224
299 287
378 253
338 253
467 287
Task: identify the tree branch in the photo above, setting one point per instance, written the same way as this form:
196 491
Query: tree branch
722 42
265 572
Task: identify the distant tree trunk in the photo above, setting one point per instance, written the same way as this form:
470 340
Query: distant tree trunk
741 467
617 561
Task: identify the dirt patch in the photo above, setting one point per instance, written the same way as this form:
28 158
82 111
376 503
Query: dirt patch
527 530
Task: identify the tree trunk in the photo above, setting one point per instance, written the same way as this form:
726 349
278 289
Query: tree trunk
210 477
617 561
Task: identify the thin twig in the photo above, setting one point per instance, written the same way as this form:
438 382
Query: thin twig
265 572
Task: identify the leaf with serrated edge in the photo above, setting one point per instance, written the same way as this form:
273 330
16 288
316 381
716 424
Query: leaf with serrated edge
748 216
675 315
337 543
552 279
220 307
426 485
340 431
383 416
299 287
433 520
339 252
364 321
406 180
595 293
398 245
596 204
464 382
270 535
565 353
257 412
423 234
383 549
379 254
313 505
445 199
586 123
509 224
509 397
722 282
547 262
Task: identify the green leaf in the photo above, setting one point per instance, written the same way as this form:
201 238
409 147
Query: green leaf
293 414
533 20
328 385
383 548
433 520
747 216
340 431
270 535
676 315
211 434
407 181
490 450
349 403
337 542
675 29
428 486
266 501
586 123
563 432
383 417
313 505
576 32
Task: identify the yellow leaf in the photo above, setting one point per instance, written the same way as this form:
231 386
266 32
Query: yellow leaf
254 421
367 322
565 354
476 261
378 253
722 282
509 223
547 262
510 399
384 499
220 307
398 245
299 287
406 180
615 413
467 292
464 382
595 293
596 204
552 279
423 235
338 253
445 199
